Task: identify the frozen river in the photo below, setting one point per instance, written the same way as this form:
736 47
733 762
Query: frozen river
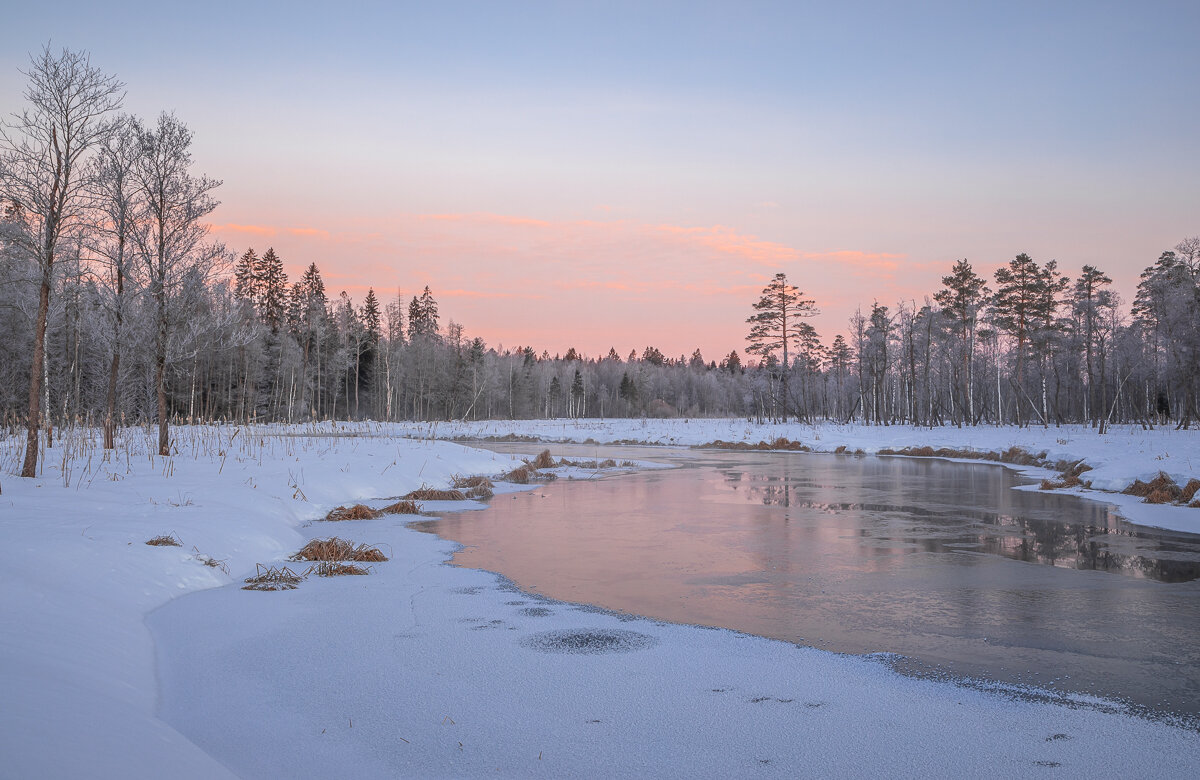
941 563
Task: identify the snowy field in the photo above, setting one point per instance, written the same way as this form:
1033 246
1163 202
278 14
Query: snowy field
126 660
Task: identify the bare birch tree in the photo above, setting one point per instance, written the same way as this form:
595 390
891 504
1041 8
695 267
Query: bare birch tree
43 177
171 235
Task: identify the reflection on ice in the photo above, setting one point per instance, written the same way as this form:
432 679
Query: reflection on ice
941 562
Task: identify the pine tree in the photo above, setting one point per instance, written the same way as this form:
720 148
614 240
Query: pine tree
962 296
271 290
653 356
1023 306
553 396
423 315
370 317
774 325
1088 299
577 395
245 277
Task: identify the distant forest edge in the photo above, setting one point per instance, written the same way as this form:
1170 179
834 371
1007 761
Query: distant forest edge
116 307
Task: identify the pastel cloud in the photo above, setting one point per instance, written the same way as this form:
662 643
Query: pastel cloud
263 231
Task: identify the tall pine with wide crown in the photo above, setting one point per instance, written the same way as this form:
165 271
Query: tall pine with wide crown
774 326
962 295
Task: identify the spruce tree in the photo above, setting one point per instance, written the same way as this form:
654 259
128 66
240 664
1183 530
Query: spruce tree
370 317
577 394
245 277
271 290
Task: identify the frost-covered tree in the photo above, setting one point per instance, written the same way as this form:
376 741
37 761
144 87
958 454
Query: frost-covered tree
171 235
44 178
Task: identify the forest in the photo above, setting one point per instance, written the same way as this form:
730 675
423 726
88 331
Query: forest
118 308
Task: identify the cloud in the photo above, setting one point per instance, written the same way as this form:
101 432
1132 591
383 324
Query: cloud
729 241
309 233
266 231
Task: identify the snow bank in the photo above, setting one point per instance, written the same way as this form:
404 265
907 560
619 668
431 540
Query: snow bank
77 579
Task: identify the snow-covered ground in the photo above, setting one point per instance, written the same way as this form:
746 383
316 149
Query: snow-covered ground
423 669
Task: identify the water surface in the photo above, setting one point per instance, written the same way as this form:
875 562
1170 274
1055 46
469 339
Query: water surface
943 563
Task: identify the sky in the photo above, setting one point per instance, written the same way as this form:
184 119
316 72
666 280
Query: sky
628 174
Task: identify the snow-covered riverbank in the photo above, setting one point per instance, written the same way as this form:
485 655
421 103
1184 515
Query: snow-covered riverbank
422 669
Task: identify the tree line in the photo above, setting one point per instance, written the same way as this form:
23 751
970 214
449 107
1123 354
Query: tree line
118 308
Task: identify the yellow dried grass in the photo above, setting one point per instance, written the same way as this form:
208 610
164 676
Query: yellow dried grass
335 549
356 512
433 494
470 482
402 508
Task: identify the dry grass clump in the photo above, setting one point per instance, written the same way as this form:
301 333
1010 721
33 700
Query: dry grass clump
356 512
1021 457
480 492
1067 481
1160 490
544 460
336 569
470 482
841 450
1070 475
526 473
1188 493
520 475
593 465
335 549
1013 455
778 444
433 494
164 540
401 508
272 578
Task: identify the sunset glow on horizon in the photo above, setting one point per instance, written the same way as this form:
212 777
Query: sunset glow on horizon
630 174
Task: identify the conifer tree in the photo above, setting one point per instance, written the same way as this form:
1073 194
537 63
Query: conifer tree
1088 299
577 394
271 290
245 276
964 293
1023 306
773 327
370 317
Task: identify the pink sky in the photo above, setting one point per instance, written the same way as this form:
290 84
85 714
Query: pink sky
600 174
590 284
593 283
